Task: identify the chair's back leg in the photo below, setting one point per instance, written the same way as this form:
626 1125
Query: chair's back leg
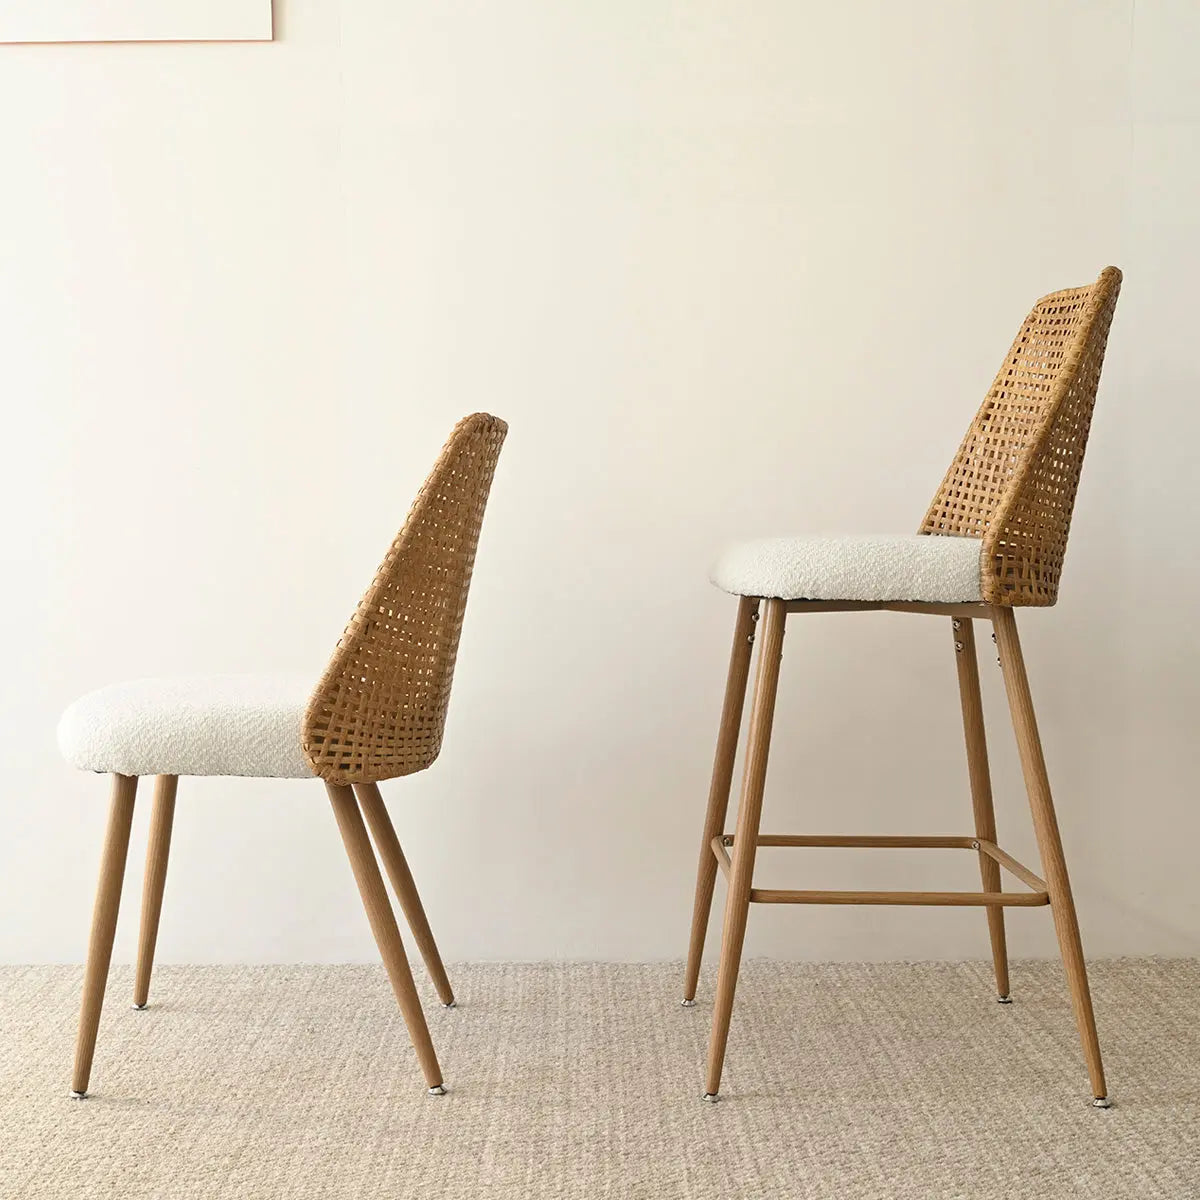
1045 824
718 792
396 865
104 927
981 788
745 841
158 850
383 926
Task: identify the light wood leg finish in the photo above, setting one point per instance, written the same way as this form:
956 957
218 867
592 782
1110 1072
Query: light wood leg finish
383 926
1045 824
718 792
157 852
104 927
737 904
981 790
396 866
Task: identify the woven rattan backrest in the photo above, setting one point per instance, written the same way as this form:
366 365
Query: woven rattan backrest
1013 482
380 707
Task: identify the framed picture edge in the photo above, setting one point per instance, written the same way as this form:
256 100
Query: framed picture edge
69 22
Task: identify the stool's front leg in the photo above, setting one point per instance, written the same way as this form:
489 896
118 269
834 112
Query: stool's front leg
745 844
981 790
718 792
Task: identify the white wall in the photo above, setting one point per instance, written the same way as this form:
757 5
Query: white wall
726 269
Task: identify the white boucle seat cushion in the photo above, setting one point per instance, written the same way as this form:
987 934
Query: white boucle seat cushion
918 567
202 725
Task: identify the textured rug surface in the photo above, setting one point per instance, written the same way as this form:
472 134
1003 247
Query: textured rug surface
879 1082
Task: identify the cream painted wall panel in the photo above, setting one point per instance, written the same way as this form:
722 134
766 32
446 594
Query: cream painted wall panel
723 276
134 20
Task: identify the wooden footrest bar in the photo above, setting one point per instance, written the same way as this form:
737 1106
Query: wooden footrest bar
868 842
954 899
1038 896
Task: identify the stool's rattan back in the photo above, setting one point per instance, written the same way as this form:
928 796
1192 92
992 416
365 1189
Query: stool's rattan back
1013 482
380 708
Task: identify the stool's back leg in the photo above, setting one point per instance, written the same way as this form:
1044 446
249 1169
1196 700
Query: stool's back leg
396 865
745 844
104 927
718 792
1045 824
981 788
158 850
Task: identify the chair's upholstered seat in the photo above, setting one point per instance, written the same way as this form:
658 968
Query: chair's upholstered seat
853 567
206 725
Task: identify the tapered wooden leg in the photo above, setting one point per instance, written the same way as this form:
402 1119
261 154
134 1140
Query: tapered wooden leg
383 926
158 850
1054 864
745 843
394 862
981 789
718 792
104 927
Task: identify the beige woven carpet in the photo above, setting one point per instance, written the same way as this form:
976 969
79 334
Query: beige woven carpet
848 1081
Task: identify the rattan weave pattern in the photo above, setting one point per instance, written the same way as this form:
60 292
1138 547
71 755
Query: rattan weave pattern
1013 483
380 708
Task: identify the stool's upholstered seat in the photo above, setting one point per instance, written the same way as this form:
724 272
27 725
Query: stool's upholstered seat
914 567
202 725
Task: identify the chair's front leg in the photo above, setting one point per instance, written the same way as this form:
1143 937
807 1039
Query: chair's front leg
158 850
1045 824
104 927
383 926
718 792
745 843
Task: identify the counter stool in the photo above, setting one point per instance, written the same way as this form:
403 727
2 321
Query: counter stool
992 541
377 713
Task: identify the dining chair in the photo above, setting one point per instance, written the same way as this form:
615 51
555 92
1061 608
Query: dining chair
991 542
377 713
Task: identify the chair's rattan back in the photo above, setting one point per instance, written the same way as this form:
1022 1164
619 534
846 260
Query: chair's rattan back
1013 482
380 708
